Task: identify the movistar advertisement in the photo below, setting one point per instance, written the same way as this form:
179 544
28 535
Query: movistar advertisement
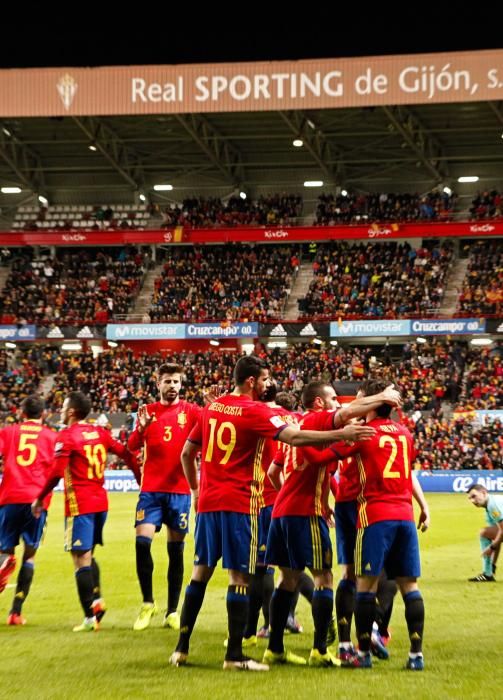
364 327
390 327
145 331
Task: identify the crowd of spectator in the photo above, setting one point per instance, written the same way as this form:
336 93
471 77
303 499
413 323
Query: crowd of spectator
230 283
486 205
88 286
265 210
437 380
118 381
483 381
458 444
385 279
200 212
384 207
482 288
18 379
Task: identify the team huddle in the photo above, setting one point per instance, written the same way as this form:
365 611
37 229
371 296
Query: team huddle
261 497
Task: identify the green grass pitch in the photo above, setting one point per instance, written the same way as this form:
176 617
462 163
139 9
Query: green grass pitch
45 659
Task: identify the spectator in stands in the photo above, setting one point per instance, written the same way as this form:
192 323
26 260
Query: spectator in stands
376 280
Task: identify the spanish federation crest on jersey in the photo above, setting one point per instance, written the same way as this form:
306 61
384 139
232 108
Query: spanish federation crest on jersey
182 419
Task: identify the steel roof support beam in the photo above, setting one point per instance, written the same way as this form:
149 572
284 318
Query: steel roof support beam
23 161
427 149
316 143
124 159
221 152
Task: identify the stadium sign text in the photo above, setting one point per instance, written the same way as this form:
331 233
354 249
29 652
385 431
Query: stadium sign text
216 330
17 332
451 481
146 331
351 329
448 326
116 481
276 234
179 331
465 76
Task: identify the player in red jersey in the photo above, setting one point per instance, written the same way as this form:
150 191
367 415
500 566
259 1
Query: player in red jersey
27 449
346 513
231 436
386 537
261 583
162 430
299 536
81 455
305 585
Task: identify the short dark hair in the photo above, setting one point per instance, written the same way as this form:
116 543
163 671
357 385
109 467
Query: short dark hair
371 387
476 487
169 368
80 403
248 366
286 399
311 391
33 406
270 393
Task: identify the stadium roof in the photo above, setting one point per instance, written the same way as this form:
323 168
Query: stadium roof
368 149
389 149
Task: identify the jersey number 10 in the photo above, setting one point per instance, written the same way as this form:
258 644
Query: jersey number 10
97 459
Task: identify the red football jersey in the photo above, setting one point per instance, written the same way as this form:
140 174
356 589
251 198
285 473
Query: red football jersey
334 486
305 471
270 449
28 456
384 466
349 485
232 434
81 457
163 443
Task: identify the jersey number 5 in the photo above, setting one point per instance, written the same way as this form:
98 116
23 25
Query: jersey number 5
224 429
389 472
97 458
26 444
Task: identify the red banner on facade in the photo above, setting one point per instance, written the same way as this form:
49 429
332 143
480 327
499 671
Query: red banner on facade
371 232
276 234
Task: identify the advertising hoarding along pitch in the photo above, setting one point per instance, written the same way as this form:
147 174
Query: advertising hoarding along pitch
180 331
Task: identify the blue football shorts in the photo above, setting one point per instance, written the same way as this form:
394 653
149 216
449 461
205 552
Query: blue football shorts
17 522
159 508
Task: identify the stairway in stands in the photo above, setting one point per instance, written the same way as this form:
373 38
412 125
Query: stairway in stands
299 290
141 308
453 288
